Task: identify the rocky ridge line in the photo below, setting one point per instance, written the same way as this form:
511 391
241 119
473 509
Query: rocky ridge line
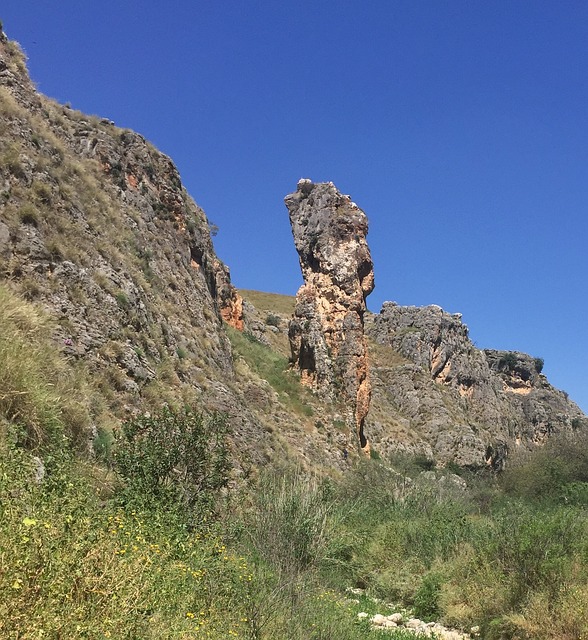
455 402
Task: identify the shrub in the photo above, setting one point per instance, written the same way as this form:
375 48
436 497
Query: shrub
122 300
273 320
539 362
173 456
29 214
507 361
545 473
426 599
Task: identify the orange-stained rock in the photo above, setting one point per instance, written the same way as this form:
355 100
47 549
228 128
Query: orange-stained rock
326 333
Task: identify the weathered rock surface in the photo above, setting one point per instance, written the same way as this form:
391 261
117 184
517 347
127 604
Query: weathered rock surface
458 403
96 226
326 333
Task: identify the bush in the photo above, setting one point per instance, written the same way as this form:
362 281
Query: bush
173 457
75 566
507 361
545 473
426 600
272 320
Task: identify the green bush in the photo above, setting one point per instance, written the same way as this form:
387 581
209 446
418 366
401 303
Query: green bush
545 473
539 363
507 361
273 320
426 599
75 566
173 457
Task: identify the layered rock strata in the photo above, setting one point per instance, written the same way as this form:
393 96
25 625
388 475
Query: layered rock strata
326 334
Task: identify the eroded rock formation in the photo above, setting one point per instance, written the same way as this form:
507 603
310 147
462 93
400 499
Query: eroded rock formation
326 333
453 401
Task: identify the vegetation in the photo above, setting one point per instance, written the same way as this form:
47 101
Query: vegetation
539 364
39 391
273 367
175 458
148 543
153 547
100 555
507 361
273 303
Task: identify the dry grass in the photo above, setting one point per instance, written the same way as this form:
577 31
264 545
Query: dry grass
36 386
270 302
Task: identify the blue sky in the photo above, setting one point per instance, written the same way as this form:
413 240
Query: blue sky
460 127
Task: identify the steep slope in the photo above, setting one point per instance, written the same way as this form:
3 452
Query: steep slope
96 227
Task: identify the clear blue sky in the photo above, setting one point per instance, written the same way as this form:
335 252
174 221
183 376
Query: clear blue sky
459 126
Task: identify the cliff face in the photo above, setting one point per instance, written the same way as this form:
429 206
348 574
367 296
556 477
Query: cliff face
96 226
326 333
456 402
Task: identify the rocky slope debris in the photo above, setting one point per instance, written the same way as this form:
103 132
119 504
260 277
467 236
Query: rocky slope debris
326 333
416 627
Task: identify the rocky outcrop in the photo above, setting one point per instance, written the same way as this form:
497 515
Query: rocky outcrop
462 404
96 227
98 230
326 333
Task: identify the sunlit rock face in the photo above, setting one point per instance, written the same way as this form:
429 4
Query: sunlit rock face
326 333
460 404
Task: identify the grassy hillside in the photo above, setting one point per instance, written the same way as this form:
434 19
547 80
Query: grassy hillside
147 543
270 302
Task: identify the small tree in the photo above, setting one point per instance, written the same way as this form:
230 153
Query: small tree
539 362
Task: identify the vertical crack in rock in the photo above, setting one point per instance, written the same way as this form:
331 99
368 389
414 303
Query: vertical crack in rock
326 333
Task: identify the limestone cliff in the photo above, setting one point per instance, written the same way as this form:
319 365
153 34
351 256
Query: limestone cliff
326 333
452 401
96 226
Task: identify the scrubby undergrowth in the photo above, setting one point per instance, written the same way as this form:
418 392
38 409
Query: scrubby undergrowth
157 541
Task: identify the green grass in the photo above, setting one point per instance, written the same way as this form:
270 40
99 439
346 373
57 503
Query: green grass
274 368
274 561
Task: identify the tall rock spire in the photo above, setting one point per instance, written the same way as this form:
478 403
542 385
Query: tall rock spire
326 333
